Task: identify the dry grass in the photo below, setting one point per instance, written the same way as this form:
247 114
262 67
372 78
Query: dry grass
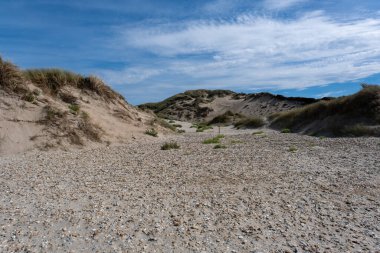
53 80
334 116
11 77
90 130
170 145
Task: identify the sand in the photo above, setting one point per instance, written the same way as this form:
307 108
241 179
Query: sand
268 192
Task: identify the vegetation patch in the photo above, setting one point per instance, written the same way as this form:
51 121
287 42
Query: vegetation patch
219 146
11 78
286 131
343 116
74 109
53 80
151 132
163 123
29 97
213 140
201 127
170 145
257 132
292 149
92 131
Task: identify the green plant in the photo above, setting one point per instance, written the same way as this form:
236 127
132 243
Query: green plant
213 140
219 146
177 125
286 131
162 123
292 149
201 127
257 132
170 145
151 132
171 121
252 122
180 131
29 97
74 109
52 114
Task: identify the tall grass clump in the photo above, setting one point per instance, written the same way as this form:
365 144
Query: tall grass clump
170 145
11 77
53 80
151 132
334 116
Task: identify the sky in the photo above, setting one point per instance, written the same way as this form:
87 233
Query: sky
149 50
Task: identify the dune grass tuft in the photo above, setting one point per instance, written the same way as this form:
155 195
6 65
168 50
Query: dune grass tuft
11 78
170 145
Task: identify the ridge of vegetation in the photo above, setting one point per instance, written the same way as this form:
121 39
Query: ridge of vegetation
354 115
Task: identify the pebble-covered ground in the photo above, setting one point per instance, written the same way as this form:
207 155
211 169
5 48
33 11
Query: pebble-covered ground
268 192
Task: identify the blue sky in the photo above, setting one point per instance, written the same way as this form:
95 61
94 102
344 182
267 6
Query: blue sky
149 49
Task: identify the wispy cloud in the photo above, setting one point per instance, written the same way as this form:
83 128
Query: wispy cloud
251 52
281 4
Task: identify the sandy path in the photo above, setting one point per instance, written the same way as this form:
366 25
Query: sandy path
253 196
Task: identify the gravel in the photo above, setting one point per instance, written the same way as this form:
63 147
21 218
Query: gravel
254 196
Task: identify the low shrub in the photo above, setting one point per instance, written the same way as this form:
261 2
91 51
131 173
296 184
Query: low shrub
201 127
219 146
213 140
170 145
257 132
286 131
151 132
29 97
74 109
292 149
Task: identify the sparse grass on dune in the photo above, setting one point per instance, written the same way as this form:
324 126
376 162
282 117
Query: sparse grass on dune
11 78
335 117
214 140
53 80
151 132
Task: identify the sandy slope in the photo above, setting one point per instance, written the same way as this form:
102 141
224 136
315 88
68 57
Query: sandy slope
254 196
23 125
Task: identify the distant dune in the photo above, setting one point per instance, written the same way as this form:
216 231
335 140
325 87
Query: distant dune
204 105
355 115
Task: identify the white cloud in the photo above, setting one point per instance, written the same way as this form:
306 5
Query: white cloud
281 4
251 52
129 75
